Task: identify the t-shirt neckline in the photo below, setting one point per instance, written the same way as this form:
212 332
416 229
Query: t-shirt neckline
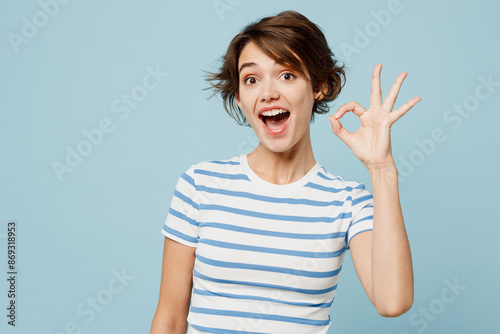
257 180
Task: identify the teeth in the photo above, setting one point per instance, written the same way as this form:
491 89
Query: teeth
273 112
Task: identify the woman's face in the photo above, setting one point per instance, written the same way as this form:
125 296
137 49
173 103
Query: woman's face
276 100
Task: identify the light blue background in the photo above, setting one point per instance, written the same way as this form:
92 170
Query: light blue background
107 213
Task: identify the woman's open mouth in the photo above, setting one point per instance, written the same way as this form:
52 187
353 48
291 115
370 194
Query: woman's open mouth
275 120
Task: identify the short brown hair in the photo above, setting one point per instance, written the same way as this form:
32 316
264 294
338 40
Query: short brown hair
290 39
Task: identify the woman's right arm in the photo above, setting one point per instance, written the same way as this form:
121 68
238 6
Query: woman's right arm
175 289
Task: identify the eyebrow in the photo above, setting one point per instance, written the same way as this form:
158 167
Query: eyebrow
252 64
246 65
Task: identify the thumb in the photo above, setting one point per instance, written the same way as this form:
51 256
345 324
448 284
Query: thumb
338 129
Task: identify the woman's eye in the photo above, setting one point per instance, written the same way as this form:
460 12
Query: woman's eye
250 80
288 76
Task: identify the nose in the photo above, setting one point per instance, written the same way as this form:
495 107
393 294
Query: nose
269 91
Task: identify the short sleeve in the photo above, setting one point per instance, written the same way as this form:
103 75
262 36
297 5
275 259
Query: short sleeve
362 212
181 224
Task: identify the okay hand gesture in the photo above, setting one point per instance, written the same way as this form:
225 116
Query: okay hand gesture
371 143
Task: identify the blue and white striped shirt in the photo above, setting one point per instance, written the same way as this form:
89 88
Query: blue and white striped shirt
268 256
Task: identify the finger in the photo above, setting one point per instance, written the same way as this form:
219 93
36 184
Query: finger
390 100
376 94
356 108
397 114
339 130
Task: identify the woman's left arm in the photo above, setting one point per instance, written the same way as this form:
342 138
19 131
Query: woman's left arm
382 257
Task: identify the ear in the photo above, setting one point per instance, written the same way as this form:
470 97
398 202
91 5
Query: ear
237 98
320 94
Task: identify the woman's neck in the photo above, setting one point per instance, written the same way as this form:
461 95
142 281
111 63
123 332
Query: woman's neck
282 167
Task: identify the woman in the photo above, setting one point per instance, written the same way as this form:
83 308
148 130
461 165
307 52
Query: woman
255 243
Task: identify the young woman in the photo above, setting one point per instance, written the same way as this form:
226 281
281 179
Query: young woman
255 243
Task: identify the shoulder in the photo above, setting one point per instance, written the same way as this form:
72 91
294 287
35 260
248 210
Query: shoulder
217 164
219 168
330 180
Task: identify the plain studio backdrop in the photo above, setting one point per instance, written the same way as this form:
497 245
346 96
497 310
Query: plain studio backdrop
103 108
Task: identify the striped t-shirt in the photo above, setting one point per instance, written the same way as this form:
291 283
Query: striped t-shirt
268 256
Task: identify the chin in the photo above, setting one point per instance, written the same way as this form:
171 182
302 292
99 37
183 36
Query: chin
277 147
